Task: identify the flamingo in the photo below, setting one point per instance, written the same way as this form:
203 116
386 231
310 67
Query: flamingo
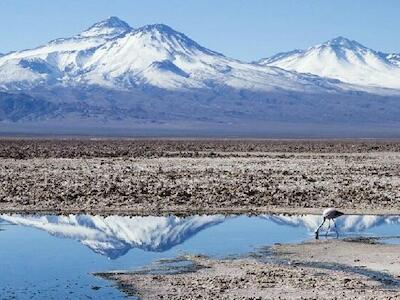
329 214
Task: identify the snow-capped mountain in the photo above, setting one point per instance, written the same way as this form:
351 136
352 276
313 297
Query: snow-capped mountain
111 54
154 77
58 60
342 59
114 236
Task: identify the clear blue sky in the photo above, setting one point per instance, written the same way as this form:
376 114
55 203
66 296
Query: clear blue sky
242 29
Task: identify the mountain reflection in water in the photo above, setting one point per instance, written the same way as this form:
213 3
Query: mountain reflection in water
114 236
346 223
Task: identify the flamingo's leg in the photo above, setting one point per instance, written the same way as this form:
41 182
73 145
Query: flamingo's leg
319 227
337 232
329 227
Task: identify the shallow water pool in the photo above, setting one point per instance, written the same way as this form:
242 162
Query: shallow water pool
53 257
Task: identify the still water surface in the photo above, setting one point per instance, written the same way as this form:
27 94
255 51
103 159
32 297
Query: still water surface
52 257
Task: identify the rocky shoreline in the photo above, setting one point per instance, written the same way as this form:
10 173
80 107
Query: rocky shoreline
313 270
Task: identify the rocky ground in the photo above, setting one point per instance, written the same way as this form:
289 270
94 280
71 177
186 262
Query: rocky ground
317 270
23 148
160 177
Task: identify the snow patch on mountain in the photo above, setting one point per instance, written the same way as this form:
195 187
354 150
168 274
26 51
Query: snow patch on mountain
25 73
394 58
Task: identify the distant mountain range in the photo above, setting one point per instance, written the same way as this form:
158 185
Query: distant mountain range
153 78
111 54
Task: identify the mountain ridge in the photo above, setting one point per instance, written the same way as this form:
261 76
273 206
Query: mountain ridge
118 60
